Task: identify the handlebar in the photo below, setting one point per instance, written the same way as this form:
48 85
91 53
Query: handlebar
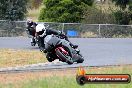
59 36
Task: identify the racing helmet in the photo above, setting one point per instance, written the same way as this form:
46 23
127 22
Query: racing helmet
40 30
29 20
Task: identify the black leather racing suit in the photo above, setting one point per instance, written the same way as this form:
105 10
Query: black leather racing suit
31 30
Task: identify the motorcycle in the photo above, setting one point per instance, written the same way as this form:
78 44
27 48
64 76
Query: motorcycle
60 49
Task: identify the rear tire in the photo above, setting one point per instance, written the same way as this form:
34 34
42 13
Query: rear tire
64 57
80 60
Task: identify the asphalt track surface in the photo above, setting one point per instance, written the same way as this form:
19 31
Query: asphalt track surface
96 51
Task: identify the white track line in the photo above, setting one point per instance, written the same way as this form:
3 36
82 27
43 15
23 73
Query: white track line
32 65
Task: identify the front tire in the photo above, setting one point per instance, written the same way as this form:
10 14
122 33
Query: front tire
50 57
64 58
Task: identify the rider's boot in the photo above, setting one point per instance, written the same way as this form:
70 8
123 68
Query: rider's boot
73 46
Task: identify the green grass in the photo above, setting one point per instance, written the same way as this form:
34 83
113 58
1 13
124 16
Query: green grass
12 57
34 13
69 81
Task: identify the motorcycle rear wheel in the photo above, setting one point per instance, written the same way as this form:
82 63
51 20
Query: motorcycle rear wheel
64 57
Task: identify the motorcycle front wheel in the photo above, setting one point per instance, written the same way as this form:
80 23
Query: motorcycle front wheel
81 59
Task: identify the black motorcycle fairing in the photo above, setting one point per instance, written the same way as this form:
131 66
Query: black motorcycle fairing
51 42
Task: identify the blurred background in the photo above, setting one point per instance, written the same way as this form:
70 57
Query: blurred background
77 18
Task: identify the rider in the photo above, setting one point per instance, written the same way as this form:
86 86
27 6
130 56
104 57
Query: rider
42 32
31 30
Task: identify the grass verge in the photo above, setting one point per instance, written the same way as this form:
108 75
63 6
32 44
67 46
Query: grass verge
65 78
12 57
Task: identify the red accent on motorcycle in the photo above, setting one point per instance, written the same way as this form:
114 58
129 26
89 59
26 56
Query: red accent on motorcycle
62 49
